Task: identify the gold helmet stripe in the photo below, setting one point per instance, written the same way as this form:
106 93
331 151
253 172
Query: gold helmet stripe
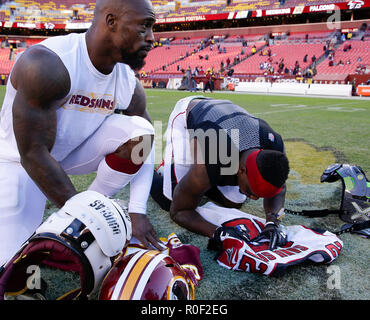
135 274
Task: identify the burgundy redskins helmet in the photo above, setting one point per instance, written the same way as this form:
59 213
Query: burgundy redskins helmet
146 275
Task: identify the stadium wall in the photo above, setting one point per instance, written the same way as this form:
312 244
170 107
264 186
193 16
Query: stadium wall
262 87
296 88
311 27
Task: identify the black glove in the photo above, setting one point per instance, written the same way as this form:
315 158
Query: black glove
215 243
274 233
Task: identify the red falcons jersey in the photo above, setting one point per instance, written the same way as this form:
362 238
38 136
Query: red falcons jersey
319 246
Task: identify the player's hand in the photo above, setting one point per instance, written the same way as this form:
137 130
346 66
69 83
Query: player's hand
143 230
273 233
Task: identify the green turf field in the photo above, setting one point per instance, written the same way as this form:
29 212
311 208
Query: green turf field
318 132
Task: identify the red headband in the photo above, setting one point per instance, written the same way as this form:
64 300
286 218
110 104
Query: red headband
260 187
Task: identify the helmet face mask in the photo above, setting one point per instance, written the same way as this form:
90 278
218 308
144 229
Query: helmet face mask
330 174
355 202
84 236
146 275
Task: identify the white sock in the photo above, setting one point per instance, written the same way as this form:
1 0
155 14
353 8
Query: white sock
108 181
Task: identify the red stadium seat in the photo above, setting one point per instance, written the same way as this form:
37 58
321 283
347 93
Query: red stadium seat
359 54
289 52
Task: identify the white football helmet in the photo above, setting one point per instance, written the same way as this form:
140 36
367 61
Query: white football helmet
84 236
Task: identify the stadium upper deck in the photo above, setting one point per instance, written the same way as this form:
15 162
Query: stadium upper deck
230 51
62 12
322 53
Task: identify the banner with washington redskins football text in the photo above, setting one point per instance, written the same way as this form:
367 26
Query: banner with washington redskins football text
301 9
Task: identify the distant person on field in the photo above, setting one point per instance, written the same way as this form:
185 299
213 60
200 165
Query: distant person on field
209 81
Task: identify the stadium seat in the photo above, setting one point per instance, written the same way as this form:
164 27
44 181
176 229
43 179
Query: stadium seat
289 52
358 55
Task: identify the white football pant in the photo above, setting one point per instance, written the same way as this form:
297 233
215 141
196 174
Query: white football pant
22 204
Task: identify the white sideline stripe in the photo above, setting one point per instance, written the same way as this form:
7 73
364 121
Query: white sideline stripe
122 278
303 109
289 110
144 278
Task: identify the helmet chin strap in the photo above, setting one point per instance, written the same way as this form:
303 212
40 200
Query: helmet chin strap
358 227
46 250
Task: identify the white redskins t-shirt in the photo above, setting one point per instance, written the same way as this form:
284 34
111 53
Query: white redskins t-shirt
93 96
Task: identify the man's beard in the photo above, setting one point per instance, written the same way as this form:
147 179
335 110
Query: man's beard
133 60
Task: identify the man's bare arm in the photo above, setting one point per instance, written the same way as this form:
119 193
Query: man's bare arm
273 205
137 105
186 198
42 82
